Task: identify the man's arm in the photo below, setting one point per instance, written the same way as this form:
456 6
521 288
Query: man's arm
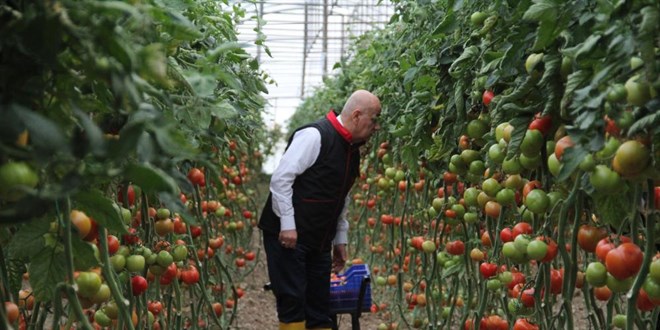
299 156
339 254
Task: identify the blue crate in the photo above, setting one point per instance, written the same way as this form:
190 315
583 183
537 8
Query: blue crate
344 293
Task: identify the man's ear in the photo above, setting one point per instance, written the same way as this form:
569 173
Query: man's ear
356 113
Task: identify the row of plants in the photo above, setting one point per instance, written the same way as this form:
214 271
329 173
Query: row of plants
515 179
129 163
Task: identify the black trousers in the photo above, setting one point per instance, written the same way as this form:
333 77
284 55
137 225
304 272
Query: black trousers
300 280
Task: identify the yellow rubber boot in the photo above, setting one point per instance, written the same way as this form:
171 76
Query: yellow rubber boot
293 326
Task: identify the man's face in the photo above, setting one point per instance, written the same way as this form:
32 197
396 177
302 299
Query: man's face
367 124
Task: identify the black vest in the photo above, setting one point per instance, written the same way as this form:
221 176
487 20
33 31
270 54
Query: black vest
319 192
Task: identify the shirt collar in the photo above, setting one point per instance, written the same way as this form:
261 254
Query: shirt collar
339 126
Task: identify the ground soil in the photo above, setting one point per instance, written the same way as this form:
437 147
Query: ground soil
256 310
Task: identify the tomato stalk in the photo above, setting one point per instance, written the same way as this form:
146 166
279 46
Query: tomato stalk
67 286
5 277
179 305
561 242
650 246
111 280
74 304
570 275
454 291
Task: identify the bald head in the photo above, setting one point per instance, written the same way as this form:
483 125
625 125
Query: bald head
360 115
360 99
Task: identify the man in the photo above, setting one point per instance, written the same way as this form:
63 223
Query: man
305 215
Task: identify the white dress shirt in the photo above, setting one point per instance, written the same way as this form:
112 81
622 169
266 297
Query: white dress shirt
301 155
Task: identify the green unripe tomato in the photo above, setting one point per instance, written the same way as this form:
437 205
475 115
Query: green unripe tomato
88 284
135 263
537 249
118 262
537 201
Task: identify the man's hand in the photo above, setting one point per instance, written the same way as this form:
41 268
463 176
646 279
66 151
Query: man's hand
338 257
288 238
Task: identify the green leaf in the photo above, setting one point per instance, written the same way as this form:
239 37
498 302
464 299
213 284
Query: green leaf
100 208
520 125
93 133
45 135
467 55
453 269
545 35
651 120
541 10
570 160
174 204
29 239
575 80
223 110
150 179
83 252
588 45
612 209
119 6
47 269
203 84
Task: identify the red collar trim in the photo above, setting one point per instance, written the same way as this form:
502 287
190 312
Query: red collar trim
332 117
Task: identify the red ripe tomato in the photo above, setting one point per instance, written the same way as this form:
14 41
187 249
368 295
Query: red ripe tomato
488 269
487 97
416 242
644 303
602 293
521 228
217 308
506 235
130 194
195 231
605 245
624 261
496 322
196 177
179 226
132 237
611 128
561 145
657 197
543 124
240 262
589 236
553 249
492 209
113 244
449 177
387 219
518 278
12 311
190 275
155 307
523 324
527 298
139 285
556 281
250 255
456 247
531 185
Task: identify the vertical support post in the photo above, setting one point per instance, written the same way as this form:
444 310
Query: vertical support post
325 37
306 36
260 14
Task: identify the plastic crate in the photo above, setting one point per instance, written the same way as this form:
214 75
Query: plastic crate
345 292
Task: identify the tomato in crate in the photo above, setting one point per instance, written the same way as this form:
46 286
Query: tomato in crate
345 290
